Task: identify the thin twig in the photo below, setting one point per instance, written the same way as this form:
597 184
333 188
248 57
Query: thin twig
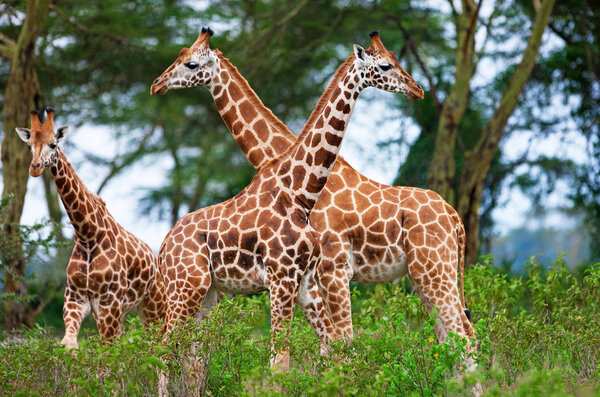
413 48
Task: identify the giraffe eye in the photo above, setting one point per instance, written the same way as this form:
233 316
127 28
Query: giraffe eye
385 67
52 146
191 65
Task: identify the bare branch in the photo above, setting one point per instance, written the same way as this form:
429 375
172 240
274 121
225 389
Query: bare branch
73 22
6 52
43 303
454 13
413 48
7 40
128 159
488 26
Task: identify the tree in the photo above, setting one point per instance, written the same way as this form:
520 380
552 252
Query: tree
459 173
23 92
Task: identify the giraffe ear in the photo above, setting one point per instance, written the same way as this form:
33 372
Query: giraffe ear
24 134
61 133
359 52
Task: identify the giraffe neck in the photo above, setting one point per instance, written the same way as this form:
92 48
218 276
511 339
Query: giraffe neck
85 210
317 147
261 136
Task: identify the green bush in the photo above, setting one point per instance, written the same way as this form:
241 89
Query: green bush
538 334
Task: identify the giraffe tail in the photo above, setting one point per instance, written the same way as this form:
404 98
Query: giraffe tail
461 237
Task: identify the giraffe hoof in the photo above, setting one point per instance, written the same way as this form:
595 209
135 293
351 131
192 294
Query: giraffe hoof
468 314
70 343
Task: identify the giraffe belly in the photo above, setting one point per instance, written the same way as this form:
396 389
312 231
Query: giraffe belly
380 268
233 279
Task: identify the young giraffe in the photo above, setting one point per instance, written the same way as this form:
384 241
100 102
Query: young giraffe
111 272
261 239
371 232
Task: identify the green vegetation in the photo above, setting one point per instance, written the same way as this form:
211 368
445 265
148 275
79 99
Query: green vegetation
538 335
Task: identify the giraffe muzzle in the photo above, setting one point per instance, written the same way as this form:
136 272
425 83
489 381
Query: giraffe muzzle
415 92
159 87
36 169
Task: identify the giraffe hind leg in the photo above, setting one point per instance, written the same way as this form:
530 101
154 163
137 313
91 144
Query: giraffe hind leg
312 306
185 302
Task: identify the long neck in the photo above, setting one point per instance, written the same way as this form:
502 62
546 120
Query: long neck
85 210
317 147
261 136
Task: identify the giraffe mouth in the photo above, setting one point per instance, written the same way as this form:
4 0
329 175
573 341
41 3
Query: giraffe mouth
415 92
35 172
159 88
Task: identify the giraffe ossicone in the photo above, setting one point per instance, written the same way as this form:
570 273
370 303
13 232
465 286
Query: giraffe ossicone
373 232
111 272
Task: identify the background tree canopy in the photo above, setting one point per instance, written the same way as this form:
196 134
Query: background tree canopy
503 80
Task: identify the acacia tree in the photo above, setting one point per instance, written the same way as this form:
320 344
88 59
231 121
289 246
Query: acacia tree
73 58
21 95
458 144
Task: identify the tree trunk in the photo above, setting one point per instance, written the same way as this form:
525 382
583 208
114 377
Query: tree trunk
22 94
442 170
479 159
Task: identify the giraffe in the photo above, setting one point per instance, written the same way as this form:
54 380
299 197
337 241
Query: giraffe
111 272
371 232
261 239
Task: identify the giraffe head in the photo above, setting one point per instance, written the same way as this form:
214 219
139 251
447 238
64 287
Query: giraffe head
194 66
379 68
42 140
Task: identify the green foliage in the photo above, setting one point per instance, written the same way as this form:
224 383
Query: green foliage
36 242
536 334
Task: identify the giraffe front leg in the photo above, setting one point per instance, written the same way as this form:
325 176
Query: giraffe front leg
283 299
75 309
313 307
334 283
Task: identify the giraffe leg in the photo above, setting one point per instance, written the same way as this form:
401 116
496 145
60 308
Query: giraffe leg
75 309
282 297
154 305
195 362
212 299
109 317
187 288
436 285
334 282
313 307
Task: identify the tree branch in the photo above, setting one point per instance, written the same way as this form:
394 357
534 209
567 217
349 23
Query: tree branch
442 168
45 302
7 40
413 48
71 21
495 127
6 52
128 159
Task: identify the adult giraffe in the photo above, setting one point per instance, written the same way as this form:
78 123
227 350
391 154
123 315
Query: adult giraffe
111 272
262 239
370 232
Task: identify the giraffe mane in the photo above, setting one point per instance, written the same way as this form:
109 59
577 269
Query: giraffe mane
324 98
254 99
99 201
